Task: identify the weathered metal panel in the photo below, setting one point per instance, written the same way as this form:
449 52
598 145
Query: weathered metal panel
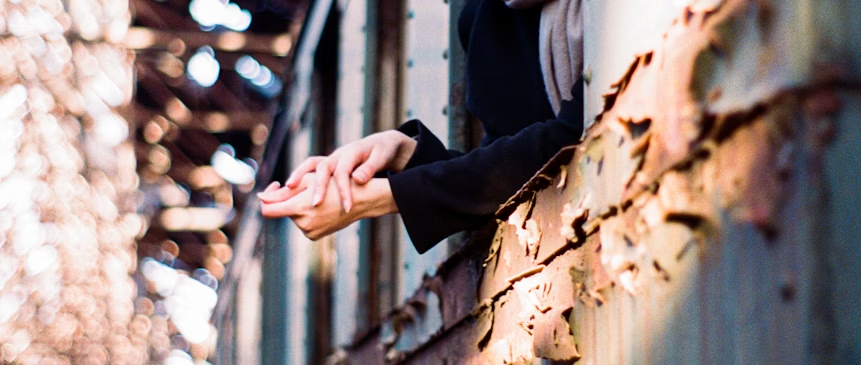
426 98
839 234
350 309
706 218
616 31
298 308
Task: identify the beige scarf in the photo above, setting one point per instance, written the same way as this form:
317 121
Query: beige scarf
560 45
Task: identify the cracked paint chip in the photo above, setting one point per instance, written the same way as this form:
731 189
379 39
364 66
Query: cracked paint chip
571 218
563 177
493 252
627 280
485 323
499 352
528 325
553 339
530 271
538 295
530 237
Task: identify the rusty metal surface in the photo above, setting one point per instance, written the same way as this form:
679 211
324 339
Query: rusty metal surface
705 218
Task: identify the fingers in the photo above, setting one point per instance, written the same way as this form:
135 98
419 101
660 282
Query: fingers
279 209
272 187
266 194
342 178
375 162
324 173
309 165
278 195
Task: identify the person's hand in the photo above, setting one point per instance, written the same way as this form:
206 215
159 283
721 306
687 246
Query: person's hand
373 199
358 161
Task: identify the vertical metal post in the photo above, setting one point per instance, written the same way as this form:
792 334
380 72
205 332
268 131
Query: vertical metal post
274 342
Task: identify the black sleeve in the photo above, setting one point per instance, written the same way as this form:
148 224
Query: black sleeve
450 195
428 146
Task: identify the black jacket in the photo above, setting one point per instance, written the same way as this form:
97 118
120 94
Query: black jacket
442 192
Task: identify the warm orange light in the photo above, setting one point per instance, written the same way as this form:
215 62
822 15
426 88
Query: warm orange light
217 122
281 45
177 111
139 38
231 41
259 134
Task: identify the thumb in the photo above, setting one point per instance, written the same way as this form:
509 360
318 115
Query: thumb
366 171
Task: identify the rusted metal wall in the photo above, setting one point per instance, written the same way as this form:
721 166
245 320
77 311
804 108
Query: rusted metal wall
708 216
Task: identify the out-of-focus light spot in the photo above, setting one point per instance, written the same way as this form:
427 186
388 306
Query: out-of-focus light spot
170 247
264 77
229 168
117 30
231 41
176 47
9 304
111 130
170 65
159 159
177 111
206 278
195 219
259 134
236 18
139 38
205 177
247 67
40 259
18 24
42 22
203 67
28 233
221 251
216 268
14 98
207 13
163 277
190 308
211 13
216 237
152 132
217 122
260 76
107 89
173 195
281 45
178 357
35 45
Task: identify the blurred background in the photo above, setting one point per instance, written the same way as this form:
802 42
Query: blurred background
133 134
130 135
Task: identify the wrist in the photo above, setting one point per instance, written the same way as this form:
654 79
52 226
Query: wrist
375 199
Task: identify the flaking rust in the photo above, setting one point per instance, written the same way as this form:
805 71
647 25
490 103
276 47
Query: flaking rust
553 338
484 319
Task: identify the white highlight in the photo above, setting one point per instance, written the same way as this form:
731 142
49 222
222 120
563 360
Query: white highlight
229 168
203 67
212 13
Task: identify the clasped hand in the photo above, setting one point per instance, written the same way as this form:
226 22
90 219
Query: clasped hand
319 208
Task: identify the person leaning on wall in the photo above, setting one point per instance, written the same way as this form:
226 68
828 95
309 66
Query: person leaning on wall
523 60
